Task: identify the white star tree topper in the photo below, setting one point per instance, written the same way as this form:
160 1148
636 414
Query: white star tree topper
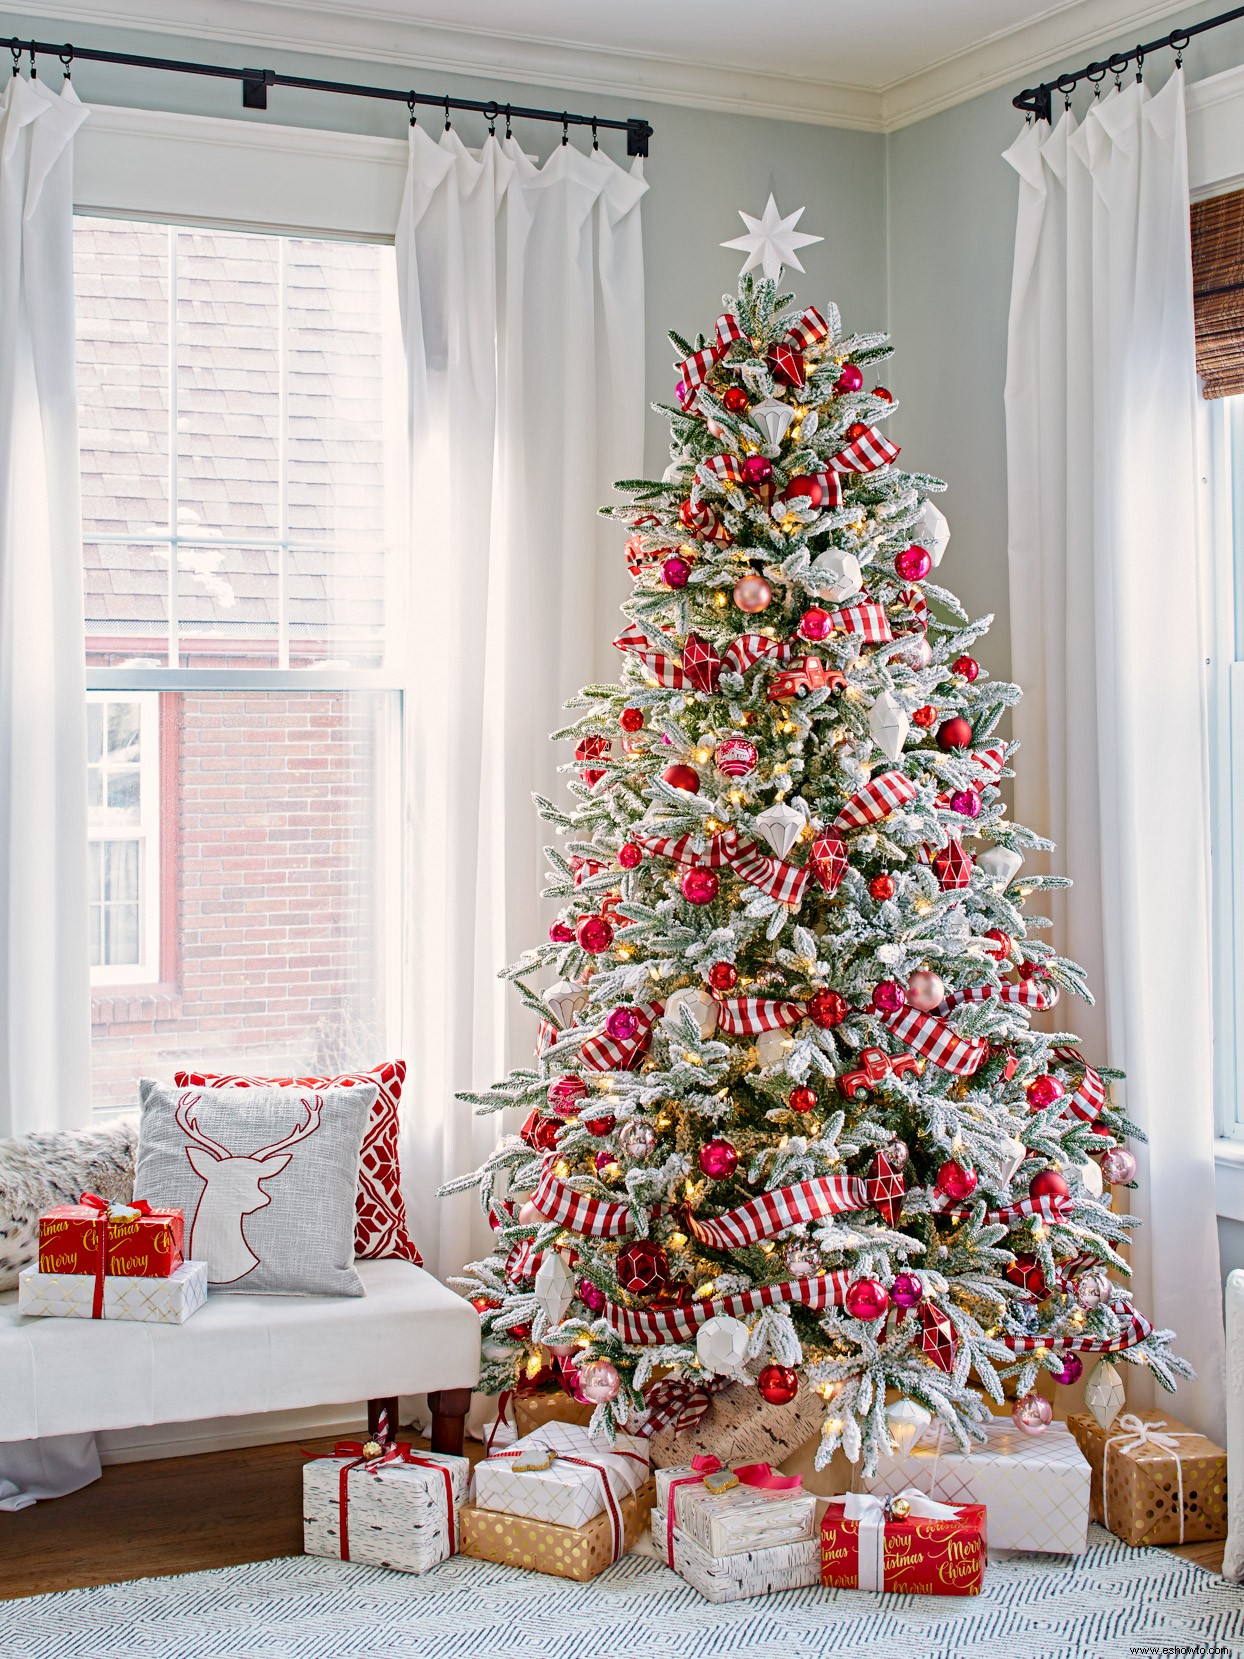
771 240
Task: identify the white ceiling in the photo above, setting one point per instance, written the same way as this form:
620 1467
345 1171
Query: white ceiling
874 65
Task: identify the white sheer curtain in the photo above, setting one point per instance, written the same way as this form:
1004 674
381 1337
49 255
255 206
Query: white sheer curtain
1100 404
522 305
44 967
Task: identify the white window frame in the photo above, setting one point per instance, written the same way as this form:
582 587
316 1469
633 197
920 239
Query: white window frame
146 970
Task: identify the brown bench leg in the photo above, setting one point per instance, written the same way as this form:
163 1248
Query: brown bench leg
449 1407
382 1419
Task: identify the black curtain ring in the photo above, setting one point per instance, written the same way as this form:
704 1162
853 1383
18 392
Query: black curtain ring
491 110
595 135
410 105
509 131
66 58
34 67
565 128
448 122
1178 44
15 46
1140 64
1066 84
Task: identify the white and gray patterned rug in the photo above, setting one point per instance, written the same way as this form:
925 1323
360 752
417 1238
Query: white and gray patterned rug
1110 1603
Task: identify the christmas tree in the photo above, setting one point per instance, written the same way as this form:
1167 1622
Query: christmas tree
789 1122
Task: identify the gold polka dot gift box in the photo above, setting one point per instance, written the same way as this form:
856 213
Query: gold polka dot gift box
1154 1481
543 1547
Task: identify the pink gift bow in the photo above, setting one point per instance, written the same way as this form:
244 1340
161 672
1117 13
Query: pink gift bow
611 1508
871 1512
759 1475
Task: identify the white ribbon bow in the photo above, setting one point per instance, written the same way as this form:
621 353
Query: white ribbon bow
870 1511
1131 1433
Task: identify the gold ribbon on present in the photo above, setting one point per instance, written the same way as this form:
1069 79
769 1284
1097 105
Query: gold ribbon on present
1132 1435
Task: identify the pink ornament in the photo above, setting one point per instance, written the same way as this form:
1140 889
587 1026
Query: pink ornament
1032 1413
896 1154
622 1024
955 1182
816 623
1043 1091
737 756
594 935
564 1095
699 884
1092 1289
604 1161
1119 1167
926 990
636 1139
850 380
906 1290
1072 1371
675 572
629 855
966 802
867 1299
718 1159
560 934
888 996
757 470
913 564
752 593
529 1215
592 1298
599 1381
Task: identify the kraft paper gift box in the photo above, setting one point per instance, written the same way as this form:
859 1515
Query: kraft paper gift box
396 1513
1035 1487
131 1241
1154 1480
756 1572
743 1518
740 1427
934 1549
570 1491
533 1410
541 1546
168 1301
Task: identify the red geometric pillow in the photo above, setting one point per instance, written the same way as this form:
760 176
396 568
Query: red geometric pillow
380 1210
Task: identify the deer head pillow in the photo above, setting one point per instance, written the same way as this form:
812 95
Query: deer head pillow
266 1178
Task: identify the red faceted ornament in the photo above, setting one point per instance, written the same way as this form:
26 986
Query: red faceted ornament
881 888
1026 1272
565 1094
593 934
925 716
802 1099
850 380
867 1299
828 862
885 1186
682 777
631 720
966 667
1048 1183
757 470
723 976
955 733
699 884
913 564
827 1009
592 748
777 1385
937 1337
629 855
735 400
561 934
601 1126
675 572
540 1133
884 393
1043 1091
700 663
786 364
642 1267
888 997
1002 945
955 1182
952 867
718 1159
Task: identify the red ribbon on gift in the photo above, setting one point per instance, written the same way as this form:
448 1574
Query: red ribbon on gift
396 1452
93 1201
760 1475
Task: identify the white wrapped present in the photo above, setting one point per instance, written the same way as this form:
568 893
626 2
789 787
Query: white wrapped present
734 1577
400 1511
1035 1487
559 1473
168 1301
737 1518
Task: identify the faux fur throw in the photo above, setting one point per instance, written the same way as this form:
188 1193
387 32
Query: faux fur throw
56 1167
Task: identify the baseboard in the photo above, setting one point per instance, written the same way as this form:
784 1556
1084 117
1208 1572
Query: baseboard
267 1428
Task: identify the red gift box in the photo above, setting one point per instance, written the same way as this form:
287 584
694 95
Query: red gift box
91 1237
934 1549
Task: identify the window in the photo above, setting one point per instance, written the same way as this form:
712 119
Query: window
242 425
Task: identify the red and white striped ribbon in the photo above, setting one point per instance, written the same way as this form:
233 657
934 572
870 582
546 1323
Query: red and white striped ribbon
693 371
933 1038
865 453
776 1212
663 668
810 330
1027 994
986 765
726 470
646 1327
868 620
546 1035
578 1212
523 1262
918 605
1050 1208
1090 1095
602 1052
783 882
749 1016
1135 1329
875 801
748 649
677 1403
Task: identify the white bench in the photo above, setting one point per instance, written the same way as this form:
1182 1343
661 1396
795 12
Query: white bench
242 1354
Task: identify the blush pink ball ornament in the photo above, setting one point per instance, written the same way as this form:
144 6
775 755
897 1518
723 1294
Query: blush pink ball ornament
867 1299
636 1139
699 885
913 564
1072 1371
591 1296
1092 1289
752 593
599 1381
1119 1167
926 990
757 469
966 802
888 997
906 1290
718 1159
1032 1413
622 1024
816 624
675 573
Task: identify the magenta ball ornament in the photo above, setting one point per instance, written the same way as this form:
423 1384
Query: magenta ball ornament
966 802
629 855
956 1182
594 935
757 470
926 990
867 1299
1043 1091
604 1162
561 934
888 996
699 884
913 564
622 1024
718 1159
1032 1413
1119 1167
777 1385
816 623
675 573
752 593
592 1297
850 380
1072 1371
599 1381
906 1290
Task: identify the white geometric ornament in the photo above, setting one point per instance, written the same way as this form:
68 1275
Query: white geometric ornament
771 241
780 825
1000 863
772 1047
566 998
1091 1177
772 418
554 1287
906 1422
721 1344
703 1008
889 725
1013 1154
934 531
1104 1395
838 573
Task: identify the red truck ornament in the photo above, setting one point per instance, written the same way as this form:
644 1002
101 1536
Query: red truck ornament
874 1065
804 677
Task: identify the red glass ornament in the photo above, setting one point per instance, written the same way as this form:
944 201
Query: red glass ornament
631 720
718 1159
540 1133
828 862
593 934
1043 1091
699 884
629 855
955 733
1002 945
867 1299
565 1094
736 756
925 716
735 400
850 380
484 1304
777 1385
561 934
888 997
642 1267
723 976
675 572
816 623
591 1296
591 748
827 1009
937 1337
1031 970
884 393
623 1024
955 1182
856 430
807 488
907 1290
1026 1272
966 667
1048 1183
757 470
601 1126
802 1099
683 777
521 1333
913 564
786 364
882 888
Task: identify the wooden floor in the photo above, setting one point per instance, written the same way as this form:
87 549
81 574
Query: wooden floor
185 1514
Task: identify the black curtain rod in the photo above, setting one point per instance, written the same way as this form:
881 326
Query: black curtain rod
255 84
1039 100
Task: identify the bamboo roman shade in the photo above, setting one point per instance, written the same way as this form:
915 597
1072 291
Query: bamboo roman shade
1218 292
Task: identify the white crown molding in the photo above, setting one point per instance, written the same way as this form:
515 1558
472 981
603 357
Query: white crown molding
327 28
1216 138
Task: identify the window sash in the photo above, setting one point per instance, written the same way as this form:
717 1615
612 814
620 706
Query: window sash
146 834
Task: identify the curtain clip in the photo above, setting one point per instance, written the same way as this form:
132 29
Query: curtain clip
448 122
491 110
595 135
565 128
509 131
410 105
66 58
